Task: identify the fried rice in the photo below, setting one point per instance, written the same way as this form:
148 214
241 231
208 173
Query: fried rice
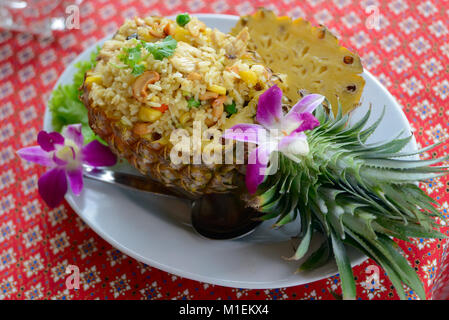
210 77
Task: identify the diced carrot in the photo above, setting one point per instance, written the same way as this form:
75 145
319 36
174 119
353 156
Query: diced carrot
169 29
162 108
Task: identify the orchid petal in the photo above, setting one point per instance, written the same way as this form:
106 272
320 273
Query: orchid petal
47 140
245 132
291 122
73 132
98 155
53 186
37 155
76 180
269 107
308 122
307 104
297 122
256 168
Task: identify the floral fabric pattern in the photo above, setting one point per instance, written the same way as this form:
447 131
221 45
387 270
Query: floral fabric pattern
404 44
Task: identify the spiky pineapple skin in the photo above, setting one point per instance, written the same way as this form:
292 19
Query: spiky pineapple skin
155 162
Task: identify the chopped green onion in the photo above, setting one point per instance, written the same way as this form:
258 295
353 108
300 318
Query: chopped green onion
230 108
132 57
116 65
182 19
193 103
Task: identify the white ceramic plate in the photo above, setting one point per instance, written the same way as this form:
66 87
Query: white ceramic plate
143 228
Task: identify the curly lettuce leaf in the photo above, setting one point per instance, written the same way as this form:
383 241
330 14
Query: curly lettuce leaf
66 107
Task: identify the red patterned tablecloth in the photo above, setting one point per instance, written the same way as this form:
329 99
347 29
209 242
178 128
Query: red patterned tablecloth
408 52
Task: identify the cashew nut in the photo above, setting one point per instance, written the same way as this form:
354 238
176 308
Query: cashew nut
141 83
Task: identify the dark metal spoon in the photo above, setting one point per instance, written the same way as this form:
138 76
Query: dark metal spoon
214 216
223 216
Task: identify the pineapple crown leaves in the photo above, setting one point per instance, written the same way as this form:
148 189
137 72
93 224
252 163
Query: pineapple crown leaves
357 194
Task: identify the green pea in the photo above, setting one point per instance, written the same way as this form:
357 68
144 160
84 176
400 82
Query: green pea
230 108
182 19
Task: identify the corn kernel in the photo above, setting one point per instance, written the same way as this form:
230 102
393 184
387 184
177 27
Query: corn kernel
154 99
148 114
93 79
249 77
181 34
217 89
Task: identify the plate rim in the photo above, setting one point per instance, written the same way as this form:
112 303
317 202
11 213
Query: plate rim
174 270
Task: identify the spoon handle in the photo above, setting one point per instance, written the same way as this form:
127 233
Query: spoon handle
130 181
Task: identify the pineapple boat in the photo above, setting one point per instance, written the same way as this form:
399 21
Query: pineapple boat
135 99
157 76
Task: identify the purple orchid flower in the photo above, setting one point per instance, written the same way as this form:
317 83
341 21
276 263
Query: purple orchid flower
64 155
275 132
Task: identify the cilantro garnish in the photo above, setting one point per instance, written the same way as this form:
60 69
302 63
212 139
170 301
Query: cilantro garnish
230 108
193 103
161 49
132 57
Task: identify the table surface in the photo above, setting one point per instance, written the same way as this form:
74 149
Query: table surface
408 53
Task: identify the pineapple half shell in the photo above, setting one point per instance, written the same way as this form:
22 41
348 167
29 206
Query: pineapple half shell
194 179
143 151
311 57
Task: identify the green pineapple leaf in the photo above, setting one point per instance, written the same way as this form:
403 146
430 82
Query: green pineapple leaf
355 193
303 247
318 258
344 267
